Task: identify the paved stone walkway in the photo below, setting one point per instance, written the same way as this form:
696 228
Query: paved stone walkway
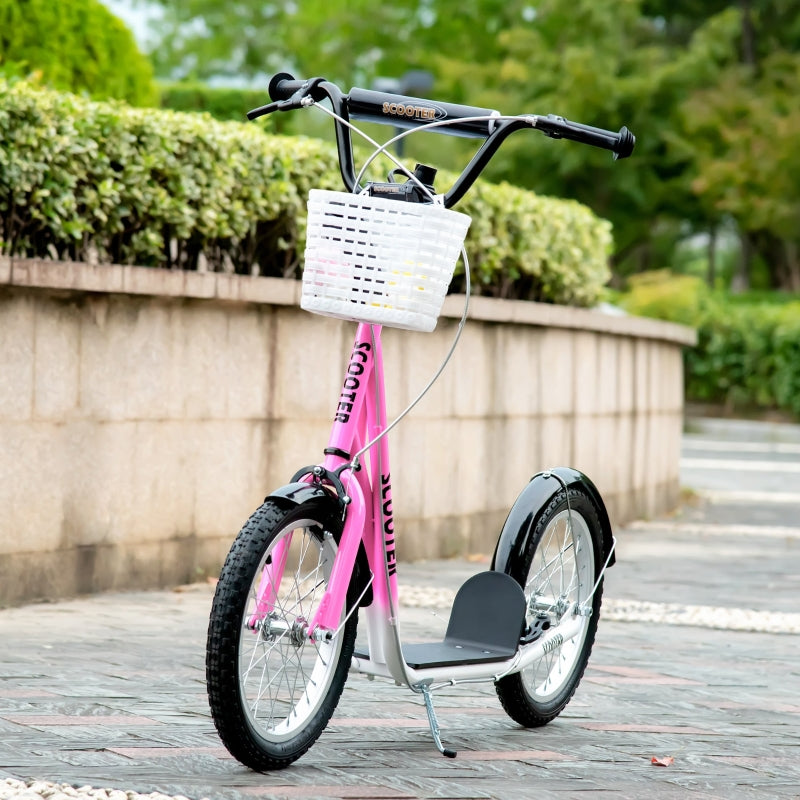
697 659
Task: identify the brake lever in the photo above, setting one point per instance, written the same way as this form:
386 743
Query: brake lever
302 97
290 104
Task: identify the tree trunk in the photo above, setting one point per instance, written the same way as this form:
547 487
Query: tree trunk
792 263
781 259
748 34
741 280
711 276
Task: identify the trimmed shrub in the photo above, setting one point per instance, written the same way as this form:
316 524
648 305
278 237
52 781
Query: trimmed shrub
663 295
748 353
528 247
154 188
82 179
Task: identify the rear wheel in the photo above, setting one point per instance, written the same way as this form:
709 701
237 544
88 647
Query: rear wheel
271 689
558 569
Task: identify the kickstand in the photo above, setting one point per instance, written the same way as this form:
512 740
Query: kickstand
426 694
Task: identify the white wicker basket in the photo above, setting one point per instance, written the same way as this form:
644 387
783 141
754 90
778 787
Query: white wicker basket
385 262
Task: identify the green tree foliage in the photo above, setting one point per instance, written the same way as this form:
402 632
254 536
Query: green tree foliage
345 41
75 45
740 140
705 85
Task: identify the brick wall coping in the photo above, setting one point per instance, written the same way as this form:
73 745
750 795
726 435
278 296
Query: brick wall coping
117 279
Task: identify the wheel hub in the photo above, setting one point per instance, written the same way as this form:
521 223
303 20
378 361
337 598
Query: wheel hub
274 627
298 633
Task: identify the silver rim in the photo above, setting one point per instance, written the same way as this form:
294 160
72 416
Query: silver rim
283 676
562 574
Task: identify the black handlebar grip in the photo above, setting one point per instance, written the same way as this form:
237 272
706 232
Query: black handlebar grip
626 142
620 143
283 85
623 141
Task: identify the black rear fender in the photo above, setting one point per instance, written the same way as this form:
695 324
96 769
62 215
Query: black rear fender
528 507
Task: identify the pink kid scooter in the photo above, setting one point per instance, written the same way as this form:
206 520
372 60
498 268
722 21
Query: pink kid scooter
320 551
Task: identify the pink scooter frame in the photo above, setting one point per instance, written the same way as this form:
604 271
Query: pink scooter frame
360 417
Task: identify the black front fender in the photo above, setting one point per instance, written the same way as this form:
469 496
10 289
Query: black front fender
293 494
528 507
296 494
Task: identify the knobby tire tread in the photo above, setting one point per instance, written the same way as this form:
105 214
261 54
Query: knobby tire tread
514 698
222 677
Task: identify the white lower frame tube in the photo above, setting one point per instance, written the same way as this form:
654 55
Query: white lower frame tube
494 670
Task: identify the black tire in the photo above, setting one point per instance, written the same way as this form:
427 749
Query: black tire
271 690
560 566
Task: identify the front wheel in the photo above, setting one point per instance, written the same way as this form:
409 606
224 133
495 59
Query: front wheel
271 689
558 569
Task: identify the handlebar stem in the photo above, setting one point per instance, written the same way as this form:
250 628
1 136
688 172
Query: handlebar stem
344 140
482 158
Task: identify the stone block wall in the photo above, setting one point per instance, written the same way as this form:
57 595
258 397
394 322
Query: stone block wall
144 414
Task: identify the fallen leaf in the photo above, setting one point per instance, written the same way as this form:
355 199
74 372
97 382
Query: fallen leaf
664 761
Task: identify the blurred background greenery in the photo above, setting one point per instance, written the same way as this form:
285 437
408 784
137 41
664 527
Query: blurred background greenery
710 88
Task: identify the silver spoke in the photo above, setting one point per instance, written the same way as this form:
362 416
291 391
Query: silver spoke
284 676
563 557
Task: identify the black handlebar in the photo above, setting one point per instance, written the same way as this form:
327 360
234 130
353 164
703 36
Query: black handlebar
411 112
620 143
288 93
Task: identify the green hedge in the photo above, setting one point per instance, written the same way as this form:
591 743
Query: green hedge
75 45
525 246
748 353
82 179
148 187
222 103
